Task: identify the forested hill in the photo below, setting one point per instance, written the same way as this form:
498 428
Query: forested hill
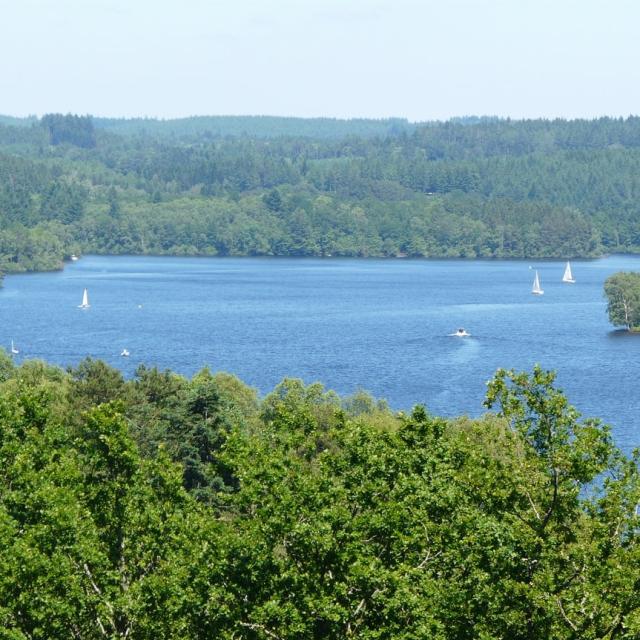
472 187
208 127
255 126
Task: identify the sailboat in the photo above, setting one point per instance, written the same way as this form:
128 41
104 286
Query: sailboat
537 289
85 300
568 276
13 349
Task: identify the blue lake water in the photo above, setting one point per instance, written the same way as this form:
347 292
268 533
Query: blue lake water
381 325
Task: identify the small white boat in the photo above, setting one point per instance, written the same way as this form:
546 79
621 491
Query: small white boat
460 333
568 276
85 300
74 257
537 289
13 348
125 353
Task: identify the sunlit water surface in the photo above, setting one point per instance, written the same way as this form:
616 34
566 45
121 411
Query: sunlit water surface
381 325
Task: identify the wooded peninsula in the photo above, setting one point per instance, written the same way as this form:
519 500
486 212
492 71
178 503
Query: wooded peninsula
241 186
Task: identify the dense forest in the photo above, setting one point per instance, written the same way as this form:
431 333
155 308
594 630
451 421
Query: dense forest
170 508
472 187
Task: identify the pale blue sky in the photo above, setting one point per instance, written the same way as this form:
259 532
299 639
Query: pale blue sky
421 60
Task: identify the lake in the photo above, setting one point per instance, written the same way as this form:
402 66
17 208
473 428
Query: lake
381 325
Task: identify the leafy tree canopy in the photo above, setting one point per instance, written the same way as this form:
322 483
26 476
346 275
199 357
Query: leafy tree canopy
163 507
623 299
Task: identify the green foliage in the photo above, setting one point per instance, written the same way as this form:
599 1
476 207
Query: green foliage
238 398
94 383
471 529
272 200
484 188
63 202
188 420
623 299
573 452
209 127
162 507
92 537
76 130
7 366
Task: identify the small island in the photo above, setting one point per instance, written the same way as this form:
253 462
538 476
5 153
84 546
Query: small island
622 290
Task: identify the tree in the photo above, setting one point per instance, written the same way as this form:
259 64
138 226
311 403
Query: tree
518 525
575 497
273 200
95 382
623 294
114 203
94 540
188 420
76 130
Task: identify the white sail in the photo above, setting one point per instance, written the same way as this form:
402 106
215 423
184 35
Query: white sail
537 289
85 300
13 349
568 276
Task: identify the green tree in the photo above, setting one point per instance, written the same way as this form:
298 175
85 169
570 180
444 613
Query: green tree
468 529
623 299
94 382
189 420
273 200
114 203
93 540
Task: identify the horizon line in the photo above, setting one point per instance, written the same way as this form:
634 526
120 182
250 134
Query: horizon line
483 117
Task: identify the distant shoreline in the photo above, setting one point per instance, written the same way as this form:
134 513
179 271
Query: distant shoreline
68 261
